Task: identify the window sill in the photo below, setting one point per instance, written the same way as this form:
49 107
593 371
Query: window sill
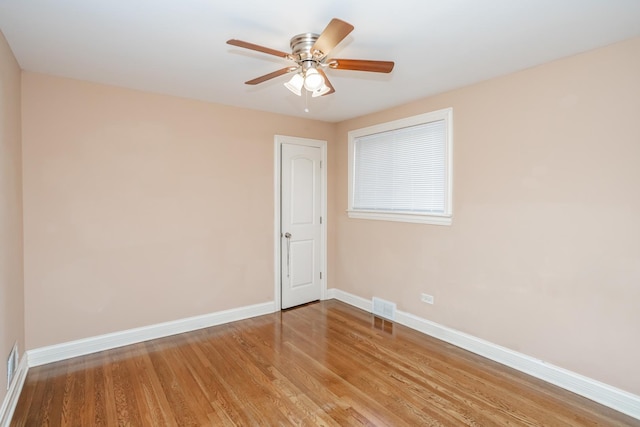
401 217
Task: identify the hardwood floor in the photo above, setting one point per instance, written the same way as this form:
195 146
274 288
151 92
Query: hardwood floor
321 364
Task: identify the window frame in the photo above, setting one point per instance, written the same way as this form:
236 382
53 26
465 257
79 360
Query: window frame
445 218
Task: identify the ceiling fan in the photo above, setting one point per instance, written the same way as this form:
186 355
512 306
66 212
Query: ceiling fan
309 52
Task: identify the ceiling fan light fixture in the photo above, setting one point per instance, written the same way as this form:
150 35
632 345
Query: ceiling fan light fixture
295 84
313 80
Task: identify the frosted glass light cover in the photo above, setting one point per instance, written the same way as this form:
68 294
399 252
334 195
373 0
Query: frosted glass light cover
295 84
313 80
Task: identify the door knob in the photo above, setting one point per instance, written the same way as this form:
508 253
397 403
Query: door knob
287 235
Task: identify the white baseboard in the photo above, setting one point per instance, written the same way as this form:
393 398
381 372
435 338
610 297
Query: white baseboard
67 350
13 394
602 393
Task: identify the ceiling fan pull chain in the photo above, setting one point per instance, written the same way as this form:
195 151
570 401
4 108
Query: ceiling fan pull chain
306 101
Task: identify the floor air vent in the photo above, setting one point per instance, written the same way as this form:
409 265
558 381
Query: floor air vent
382 308
12 364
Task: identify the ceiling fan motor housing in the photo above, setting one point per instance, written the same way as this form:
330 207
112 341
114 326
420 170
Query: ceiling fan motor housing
301 46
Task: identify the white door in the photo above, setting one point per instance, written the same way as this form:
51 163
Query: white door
301 228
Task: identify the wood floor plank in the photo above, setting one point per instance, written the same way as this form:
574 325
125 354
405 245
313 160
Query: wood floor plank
175 388
363 371
325 364
152 403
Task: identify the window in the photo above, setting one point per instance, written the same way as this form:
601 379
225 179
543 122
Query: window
401 170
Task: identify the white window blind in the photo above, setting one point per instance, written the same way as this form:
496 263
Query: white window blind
401 171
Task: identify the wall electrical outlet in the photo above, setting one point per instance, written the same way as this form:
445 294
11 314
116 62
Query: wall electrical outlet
427 298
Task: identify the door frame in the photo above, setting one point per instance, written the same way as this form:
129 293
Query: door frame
278 141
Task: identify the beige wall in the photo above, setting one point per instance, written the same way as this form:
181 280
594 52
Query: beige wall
543 256
142 208
11 278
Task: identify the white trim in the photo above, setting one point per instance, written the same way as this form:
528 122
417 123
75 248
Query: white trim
602 393
351 299
13 394
445 114
278 140
400 217
81 347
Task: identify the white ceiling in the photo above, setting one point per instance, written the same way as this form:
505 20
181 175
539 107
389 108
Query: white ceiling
178 47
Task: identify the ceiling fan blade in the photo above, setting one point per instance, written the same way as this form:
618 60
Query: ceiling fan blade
362 65
335 32
270 76
258 48
326 82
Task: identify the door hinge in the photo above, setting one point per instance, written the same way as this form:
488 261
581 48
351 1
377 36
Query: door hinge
320 164
320 220
321 275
